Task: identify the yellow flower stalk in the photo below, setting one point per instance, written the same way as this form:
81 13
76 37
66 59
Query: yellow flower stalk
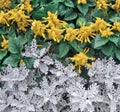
5 4
21 62
116 26
55 34
81 1
4 18
4 43
116 6
99 25
102 4
20 18
38 28
26 6
106 33
81 59
71 34
84 34
53 21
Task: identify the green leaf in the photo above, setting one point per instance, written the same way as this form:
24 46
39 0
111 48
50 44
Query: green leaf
3 54
70 15
35 3
13 60
117 53
98 13
15 45
75 46
99 41
108 49
81 20
83 8
70 25
113 19
62 10
114 39
52 7
69 3
3 29
29 61
39 13
63 49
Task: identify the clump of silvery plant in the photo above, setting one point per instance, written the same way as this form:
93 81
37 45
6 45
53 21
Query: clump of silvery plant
52 86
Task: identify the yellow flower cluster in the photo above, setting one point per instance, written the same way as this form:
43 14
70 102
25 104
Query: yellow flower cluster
81 59
20 18
116 26
17 15
116 6
5 4
53 21
102 27
4 43
81 1
26 6
102 4
55 34
38 28
53 26
84 33
71 34
4 18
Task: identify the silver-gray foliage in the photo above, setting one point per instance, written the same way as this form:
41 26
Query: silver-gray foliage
53 87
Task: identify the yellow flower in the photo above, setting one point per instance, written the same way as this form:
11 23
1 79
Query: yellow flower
116 26
55 34
84 34
102 4
4 43
53 21
81 59
20 18
99 25
21 62
106 33
5 4
71 34
81 1
26 6
116 6
38 28
4 18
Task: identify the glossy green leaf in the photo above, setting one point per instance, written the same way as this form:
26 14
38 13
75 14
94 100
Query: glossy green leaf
62 10
3 54
108 49
77 47
80 21
114 39
15 45
70 15
83 8
69 3
63 49
13 60
99 41
114 18
117 53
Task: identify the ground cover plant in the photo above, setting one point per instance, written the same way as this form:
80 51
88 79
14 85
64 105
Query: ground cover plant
62 54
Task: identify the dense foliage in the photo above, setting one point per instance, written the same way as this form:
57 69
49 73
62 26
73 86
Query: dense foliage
53 42
77 29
